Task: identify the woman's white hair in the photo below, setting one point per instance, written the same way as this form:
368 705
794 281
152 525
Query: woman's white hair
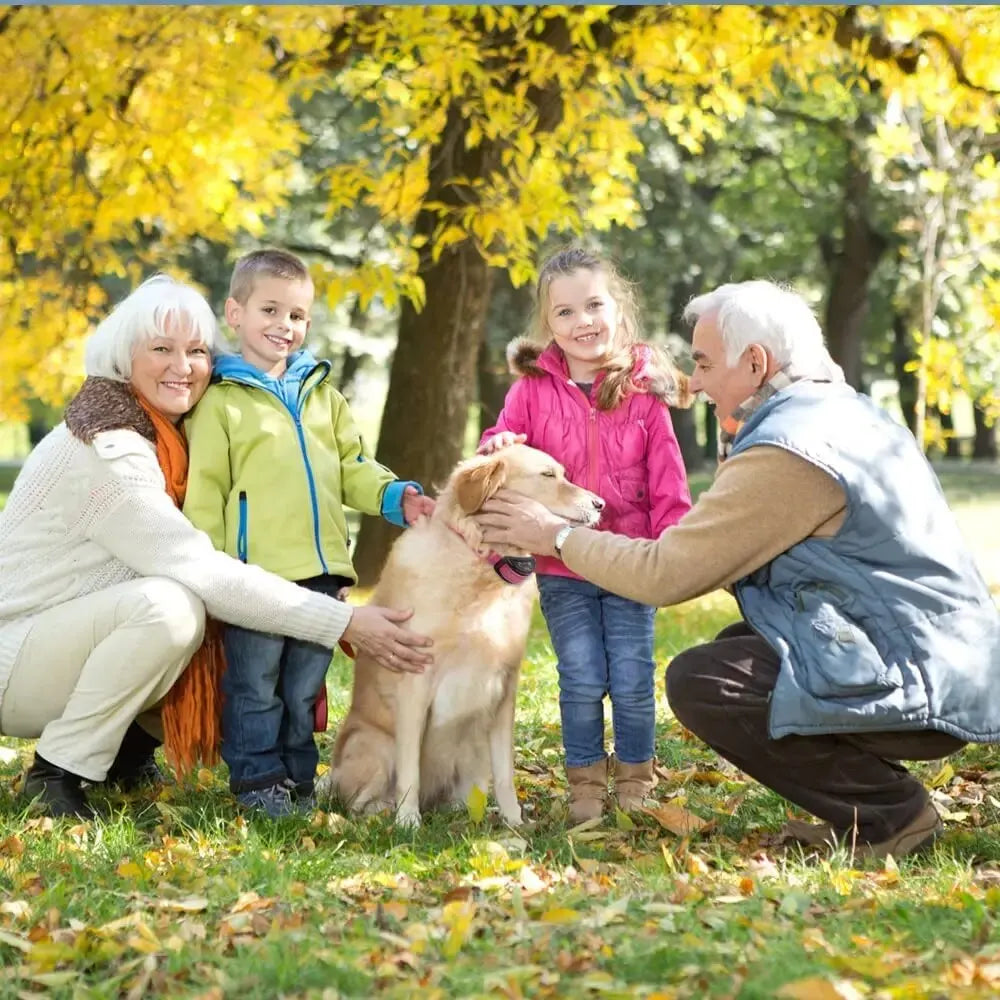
761 312
157 303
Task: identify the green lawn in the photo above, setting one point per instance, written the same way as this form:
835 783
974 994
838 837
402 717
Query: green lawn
182 897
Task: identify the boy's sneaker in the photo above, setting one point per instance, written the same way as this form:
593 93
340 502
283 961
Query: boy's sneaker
274 800
302 793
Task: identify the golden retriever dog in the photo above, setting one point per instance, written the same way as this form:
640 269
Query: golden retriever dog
411 742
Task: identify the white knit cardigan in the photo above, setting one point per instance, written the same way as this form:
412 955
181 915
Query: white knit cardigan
82 518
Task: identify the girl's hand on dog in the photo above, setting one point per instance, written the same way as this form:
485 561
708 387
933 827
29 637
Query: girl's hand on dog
375 631
416 505
502 440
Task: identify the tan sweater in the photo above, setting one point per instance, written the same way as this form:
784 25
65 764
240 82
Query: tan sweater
762 502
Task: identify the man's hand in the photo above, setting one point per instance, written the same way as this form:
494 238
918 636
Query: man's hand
375 631
517 521
416 505
502 440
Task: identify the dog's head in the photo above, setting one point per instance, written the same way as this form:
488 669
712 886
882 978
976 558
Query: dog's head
524 470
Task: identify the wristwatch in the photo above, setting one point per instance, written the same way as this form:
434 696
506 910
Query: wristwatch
560 540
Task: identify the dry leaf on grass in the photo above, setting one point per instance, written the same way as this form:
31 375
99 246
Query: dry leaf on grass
678 820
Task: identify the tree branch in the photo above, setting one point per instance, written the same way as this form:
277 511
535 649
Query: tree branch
904 54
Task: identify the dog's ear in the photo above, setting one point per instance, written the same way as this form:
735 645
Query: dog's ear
476 485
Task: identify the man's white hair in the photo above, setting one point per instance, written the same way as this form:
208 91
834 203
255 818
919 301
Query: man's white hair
146 313
761 312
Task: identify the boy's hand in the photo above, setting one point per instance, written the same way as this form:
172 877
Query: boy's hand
502 440
416 505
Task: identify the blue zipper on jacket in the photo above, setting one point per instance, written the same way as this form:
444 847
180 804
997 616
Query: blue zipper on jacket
247 379
243 529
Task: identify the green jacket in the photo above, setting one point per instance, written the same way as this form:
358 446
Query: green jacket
273 462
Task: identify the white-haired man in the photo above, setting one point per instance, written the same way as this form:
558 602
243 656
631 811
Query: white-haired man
868 635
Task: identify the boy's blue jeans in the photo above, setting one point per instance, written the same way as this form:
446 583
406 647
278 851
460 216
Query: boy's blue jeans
604 646
269 696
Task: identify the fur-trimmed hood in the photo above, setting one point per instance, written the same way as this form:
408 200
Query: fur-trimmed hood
103 404
652 372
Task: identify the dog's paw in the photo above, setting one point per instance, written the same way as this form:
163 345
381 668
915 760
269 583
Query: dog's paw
324 787
408 818
512 817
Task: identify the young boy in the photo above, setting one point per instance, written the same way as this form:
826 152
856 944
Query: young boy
274 452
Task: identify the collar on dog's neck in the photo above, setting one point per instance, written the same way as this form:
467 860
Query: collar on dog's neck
510 569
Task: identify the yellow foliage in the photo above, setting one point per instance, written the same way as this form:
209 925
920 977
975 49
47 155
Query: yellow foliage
131 129
128 130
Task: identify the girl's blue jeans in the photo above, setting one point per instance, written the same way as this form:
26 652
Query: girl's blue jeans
604 646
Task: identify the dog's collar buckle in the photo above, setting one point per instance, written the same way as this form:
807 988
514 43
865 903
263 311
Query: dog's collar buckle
512 569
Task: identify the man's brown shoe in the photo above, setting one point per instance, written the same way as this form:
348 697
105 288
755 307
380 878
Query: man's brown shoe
918 834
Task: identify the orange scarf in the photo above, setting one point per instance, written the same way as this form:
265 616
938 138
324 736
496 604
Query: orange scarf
192 710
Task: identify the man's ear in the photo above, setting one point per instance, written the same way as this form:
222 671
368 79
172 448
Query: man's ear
758 361
477 484
234 312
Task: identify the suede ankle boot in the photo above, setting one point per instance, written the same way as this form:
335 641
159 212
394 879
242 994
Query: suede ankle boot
55 791
135 764
588 791
633 782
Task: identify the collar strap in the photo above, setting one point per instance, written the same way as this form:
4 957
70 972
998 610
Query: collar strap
510 569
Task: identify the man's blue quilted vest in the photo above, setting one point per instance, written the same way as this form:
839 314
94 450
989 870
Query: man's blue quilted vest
888 625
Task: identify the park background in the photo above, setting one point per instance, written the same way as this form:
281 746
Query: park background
422 159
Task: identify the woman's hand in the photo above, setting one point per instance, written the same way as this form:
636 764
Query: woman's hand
502 440
518 522
375 631
416 505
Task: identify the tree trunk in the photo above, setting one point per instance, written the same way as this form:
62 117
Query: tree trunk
433 375
507 318
851 267
984 443
903 355
952 448
711 450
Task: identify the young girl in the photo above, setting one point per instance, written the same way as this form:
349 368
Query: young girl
595 398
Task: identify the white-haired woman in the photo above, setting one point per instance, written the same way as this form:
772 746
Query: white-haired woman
104 585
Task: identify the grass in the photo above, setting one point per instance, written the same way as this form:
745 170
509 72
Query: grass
180 896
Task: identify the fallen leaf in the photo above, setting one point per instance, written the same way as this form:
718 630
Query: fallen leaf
476 804
817 988
677 820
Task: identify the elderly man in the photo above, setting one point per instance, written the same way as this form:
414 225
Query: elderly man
868 636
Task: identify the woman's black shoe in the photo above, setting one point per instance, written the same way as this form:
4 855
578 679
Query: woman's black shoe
55 791
135 764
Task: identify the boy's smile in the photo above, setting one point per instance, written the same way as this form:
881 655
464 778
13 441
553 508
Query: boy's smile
273 322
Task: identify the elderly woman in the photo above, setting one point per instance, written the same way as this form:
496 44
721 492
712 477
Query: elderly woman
105 586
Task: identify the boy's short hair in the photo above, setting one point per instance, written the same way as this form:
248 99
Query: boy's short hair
264 263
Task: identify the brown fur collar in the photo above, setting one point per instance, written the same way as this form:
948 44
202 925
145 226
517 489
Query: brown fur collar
105 405
662 378
522 356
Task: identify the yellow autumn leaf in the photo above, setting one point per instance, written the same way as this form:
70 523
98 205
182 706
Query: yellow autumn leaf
818 988
476 804
560 915
129 870
457 918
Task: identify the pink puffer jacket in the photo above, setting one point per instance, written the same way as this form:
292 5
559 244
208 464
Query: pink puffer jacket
629 456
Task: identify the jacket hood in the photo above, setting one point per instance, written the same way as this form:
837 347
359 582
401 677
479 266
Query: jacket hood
300 364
